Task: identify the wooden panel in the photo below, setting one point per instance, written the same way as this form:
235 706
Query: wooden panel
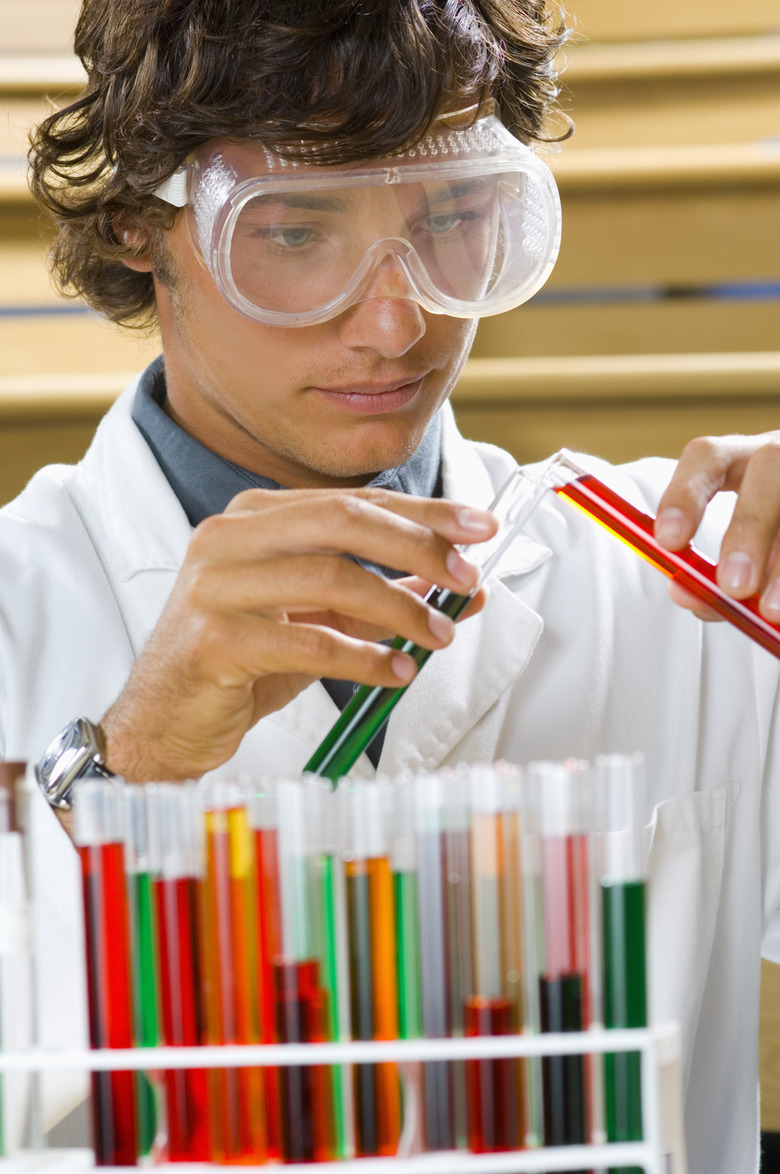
71 343
38 26
673 326
25 448
606 20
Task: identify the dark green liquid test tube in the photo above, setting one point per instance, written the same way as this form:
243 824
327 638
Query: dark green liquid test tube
371 706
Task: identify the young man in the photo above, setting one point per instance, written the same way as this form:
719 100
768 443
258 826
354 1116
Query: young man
307 199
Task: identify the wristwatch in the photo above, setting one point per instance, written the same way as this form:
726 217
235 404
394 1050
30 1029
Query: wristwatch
76 753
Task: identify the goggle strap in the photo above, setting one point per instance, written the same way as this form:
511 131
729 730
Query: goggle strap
174 189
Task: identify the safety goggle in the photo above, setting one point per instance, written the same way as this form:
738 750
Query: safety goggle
467 223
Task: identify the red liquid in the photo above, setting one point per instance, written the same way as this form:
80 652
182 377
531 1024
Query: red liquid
269 946
307 1110
688 567
110 1000
186 1090
491 1085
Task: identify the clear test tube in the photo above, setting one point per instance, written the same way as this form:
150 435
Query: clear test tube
301 1001
144 967
688 567
493 1098
365 817
621 792
175 865
522 796
228 940
329 924
98 816
565 800
439 1108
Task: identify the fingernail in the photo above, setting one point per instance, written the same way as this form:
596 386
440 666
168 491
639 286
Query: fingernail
404 668
770 600
475 521
736 571
670 525
465 572
441 625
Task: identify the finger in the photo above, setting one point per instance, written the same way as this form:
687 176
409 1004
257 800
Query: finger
749 541
293 648
336 523
369 631
317 583
770 599
690 602
707 465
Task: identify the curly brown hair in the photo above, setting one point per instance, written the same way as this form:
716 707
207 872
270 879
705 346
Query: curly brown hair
359 78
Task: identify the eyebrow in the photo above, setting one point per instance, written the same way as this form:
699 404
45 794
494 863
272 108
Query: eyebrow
303 202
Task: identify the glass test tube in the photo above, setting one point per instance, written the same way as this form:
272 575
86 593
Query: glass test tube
492 1009
144 963
331 943
621 794
371 706
237 1123
98 814
403 861
456 878
263 819
523 798
689 567
564 797
301 1001
366 812
439 1107
175 865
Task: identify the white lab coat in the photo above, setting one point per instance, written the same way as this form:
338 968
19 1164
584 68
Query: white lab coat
578 651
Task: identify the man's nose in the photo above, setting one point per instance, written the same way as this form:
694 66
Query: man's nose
388 318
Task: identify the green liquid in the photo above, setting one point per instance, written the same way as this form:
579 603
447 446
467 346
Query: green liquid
407 928
369 709
625 1005
145 1001
329 976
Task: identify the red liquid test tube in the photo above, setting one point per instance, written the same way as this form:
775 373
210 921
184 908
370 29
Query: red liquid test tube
688 567
175 870
98 834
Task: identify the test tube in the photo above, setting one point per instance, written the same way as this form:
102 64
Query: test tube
688 567
237 1109
621 792
456 877
564 796
371 706
301 1001
372 954
98 810
143 954
263 818
439 1107
175 863
493 1094
330 934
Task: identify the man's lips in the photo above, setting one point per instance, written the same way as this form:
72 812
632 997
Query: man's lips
372 398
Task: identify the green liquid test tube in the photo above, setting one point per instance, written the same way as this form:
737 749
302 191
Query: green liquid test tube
371 706
622 793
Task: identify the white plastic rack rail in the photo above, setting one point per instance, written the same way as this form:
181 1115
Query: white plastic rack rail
661 1152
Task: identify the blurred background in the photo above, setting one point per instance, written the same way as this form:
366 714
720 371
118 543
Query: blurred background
661 320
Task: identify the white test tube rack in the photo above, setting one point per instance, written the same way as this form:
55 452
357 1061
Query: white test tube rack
661 1152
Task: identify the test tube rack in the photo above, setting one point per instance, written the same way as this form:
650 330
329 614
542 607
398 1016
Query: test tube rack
661 1152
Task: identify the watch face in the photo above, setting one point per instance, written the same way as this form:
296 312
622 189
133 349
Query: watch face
65 759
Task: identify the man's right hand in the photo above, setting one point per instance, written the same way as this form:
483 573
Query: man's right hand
265 603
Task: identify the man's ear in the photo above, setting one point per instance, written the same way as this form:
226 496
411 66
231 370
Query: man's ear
137 253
